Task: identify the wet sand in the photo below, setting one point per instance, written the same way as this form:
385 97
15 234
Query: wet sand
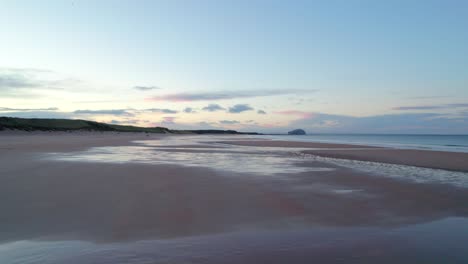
292 144
455 161
42 199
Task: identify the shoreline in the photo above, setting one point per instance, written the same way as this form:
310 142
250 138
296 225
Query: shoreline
452 161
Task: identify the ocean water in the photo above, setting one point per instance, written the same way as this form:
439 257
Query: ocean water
453 143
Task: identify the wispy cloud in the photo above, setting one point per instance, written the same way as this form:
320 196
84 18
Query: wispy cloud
431 107
239 108
7 109
229 122
124 112
161 110
224 95
300 114
9 81
416 107
429 97
409 123
146 88
116 112
458 105
206 124
189 110
38 114
420 123
261 112
213 108
17 83
125 122
168 120
326 124
26 83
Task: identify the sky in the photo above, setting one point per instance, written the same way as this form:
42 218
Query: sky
266 66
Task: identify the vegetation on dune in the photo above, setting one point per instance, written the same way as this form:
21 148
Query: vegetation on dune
32 124
43 124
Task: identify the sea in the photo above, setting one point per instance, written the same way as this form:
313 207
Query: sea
452 143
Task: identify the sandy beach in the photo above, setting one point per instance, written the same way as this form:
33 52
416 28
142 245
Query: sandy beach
456 161
123 197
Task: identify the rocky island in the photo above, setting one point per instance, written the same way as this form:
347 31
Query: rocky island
297 132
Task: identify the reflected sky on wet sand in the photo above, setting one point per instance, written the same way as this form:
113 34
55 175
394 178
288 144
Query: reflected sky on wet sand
436 242
260 163
200 151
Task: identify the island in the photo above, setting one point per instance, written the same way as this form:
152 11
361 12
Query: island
297 132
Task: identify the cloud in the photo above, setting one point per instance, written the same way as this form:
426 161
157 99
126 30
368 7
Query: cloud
9 81
457 105
168 120
189 110
239 108
431 107
146 88
208 124
403 123
116 112
125 122
38 114
326 124
224 95
7 109
26 83
124 112
159 110
261 112
229 122
213 108
17 83
194 126
429 97
300 114
418 107
24 79
415 123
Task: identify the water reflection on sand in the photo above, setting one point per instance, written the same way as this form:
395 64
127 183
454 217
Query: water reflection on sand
437 242
199 152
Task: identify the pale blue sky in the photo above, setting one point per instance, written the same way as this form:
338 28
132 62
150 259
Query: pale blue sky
341 58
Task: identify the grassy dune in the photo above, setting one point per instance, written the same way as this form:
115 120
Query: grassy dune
32 124
42 124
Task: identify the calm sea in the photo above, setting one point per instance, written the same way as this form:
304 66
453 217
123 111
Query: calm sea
455 143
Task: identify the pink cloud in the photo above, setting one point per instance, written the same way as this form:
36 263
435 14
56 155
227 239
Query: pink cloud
300 114
168 119
171 98
223 95
269 125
